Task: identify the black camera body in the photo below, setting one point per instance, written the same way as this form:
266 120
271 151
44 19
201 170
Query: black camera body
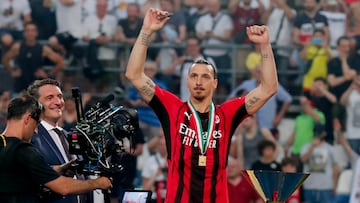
100 133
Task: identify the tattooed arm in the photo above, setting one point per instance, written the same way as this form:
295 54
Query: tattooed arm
135 68
268 83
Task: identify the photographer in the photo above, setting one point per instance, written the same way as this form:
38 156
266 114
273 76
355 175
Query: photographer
22 167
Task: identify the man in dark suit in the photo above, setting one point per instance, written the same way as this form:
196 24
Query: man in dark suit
50 139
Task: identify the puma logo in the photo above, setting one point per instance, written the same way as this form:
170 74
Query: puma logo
187 115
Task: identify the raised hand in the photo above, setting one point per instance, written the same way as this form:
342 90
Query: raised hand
155 19
258 34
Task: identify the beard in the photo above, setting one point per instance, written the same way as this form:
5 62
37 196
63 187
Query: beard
199 98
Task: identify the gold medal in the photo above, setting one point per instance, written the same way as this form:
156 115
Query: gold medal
202 160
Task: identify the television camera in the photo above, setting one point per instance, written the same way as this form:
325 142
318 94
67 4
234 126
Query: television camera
102 132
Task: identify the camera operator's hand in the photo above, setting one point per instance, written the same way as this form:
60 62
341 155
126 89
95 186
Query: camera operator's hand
66 169
103 183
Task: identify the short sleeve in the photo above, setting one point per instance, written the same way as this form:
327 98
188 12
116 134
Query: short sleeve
31 160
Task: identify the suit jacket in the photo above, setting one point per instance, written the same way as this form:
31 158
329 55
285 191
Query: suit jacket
47 147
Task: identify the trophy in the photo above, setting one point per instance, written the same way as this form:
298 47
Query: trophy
274 186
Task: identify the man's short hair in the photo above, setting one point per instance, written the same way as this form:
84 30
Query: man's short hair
338 41
33 89
206 62
30 23
22 104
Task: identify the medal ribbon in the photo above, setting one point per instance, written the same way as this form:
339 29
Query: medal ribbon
203 144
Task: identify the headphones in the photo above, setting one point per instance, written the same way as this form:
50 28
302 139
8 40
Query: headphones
36 113
3 139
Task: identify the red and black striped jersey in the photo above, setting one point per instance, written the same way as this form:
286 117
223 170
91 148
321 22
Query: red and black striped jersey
187 181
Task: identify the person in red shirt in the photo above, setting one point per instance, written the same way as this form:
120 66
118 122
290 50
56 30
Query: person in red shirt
198 133
239 189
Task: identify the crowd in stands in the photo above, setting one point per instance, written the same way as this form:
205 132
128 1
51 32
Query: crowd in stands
318 38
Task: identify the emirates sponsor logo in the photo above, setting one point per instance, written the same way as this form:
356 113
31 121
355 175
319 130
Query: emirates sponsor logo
190 138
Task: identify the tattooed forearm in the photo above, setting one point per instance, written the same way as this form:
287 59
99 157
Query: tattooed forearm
148 89
251 102
265 56
145 38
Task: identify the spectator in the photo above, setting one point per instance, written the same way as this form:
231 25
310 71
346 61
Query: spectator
305 25
307 22
343 193
43 15
354 6
304 126
215 29
319 160
5 97
126 33
340 74
316 53
336 14
351 99
13 15
193 10
239 189
352 156
279 17
270 115
289 165
267 160
155 170
99 31
69 21
323 100
118 8
88 8
246 139
129 28
22 167
176 22
29 55
243 15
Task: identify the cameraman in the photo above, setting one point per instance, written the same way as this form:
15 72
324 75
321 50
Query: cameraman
22 168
